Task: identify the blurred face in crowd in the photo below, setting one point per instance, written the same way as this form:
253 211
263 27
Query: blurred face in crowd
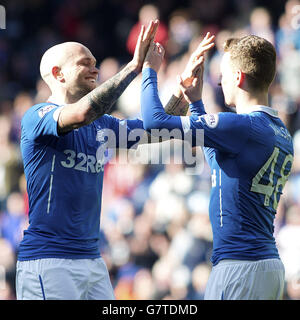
70 66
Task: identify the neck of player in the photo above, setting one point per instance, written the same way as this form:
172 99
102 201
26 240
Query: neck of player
65 97
246 100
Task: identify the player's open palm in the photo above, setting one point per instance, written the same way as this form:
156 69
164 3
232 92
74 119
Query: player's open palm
143 43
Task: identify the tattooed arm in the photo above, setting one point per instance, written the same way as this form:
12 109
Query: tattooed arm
99 101
177 105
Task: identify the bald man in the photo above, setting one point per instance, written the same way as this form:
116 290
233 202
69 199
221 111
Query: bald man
59 255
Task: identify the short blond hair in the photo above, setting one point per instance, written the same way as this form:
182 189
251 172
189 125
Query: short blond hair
256 57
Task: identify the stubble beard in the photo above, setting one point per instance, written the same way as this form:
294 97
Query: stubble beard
81 91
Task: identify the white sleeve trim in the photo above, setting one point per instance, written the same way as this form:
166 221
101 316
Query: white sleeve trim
186 123
56 113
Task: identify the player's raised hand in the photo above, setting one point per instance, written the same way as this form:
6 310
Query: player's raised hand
206 44
143 43
195 61
155 56
192 90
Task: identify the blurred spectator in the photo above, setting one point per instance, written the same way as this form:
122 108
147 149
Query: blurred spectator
120 180
209 12
10 161
293 288
123 289
146 13
108 68
22 103
129 102
283 103
181 31
13 220
200 277
7 255
296 142
143 288
7 265
161 274
42 92
293 184
287 34
289 74
6 292
288 240
261 24
180 280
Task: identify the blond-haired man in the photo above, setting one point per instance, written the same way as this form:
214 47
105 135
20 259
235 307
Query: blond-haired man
250 154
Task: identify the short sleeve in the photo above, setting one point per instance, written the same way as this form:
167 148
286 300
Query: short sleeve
40 121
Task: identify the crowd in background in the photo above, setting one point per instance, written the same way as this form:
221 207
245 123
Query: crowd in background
155 232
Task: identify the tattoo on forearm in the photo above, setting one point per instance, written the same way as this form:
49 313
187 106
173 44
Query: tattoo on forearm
102 98
177 106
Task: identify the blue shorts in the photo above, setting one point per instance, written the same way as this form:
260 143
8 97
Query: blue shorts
246 280
63 279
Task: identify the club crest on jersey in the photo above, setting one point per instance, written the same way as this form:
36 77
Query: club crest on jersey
100 136
45 110
211 120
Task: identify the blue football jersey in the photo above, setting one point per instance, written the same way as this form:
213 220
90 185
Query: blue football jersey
64 182
250 156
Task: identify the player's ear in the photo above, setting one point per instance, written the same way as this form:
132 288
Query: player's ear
57 74
240 78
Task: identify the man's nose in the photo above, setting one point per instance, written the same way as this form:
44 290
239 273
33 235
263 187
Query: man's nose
94 70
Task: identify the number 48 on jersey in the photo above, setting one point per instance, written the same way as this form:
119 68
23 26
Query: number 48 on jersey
268 173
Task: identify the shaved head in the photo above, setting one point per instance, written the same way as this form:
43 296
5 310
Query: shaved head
64 59
59 55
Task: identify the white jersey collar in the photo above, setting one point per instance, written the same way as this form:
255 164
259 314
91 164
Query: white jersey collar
52 99
261 108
